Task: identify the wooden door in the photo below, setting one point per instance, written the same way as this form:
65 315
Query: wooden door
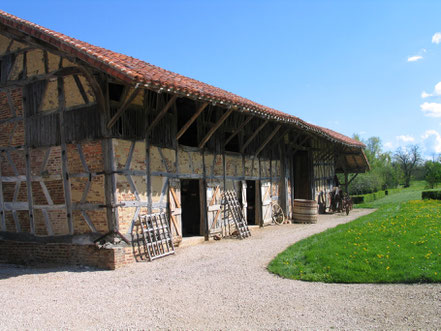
265 190
244 199
174 205
214 207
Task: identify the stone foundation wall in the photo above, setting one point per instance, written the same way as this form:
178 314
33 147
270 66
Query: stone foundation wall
33 253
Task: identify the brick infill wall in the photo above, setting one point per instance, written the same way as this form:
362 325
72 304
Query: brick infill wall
32 253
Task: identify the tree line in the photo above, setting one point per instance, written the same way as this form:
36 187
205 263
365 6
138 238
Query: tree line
391 169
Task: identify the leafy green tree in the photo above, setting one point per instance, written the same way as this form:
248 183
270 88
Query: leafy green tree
408 159
384 173
433 173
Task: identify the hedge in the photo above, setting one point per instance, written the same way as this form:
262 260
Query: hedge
368 197
435 195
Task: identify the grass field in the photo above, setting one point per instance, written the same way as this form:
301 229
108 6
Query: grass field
398 243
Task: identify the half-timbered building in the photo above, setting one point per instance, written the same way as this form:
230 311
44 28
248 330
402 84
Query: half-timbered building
90 139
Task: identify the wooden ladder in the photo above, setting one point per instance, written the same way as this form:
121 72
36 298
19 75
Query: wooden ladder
235 209
156 235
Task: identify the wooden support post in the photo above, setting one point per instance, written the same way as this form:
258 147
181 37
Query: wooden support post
203 198
123 107
292 176
191 120
2 205
110 185
29 189
250 139
224 166
64 165
215 127
149 175
259 189
346 182
160 115
283 189
268 139
236 131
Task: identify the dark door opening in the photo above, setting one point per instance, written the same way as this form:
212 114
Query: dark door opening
302 181
251 202
191 212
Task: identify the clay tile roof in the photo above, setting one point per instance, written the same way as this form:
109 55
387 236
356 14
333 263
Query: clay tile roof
132 71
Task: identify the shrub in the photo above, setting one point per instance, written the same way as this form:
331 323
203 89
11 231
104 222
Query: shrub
434 195
357 199
368 197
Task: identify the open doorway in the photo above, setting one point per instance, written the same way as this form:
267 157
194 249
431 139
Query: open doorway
191 212
302 176
251 202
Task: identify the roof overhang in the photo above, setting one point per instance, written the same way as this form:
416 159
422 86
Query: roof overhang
352 161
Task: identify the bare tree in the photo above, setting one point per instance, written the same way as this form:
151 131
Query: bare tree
408 158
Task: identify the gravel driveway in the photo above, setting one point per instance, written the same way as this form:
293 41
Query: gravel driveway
215 285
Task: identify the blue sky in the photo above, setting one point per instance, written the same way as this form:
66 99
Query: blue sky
352 66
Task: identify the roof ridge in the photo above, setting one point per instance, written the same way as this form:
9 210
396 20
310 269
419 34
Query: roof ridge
133 70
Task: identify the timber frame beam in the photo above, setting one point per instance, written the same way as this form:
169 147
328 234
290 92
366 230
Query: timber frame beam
160 115
251 138
123 107
239 128
215 127
191 120
268 139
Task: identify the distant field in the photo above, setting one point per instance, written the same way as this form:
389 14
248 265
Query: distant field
399 243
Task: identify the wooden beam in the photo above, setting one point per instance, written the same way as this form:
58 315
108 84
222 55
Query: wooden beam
64 161
191 120
215 127
123 107
268 139
160 115
96 88
353 177
275 141
236 131
250 139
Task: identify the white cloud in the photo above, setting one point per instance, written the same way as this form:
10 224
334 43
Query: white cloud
431 109
414 58
388 145
424 95
436 39
436 92
432 142
405 139
437 89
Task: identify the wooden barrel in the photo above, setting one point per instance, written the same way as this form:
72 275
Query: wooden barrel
305 211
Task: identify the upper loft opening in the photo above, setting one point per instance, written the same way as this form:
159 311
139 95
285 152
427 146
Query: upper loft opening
115 91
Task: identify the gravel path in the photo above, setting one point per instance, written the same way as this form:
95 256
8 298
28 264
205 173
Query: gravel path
215 285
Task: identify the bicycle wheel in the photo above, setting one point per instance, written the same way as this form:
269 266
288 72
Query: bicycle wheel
277 214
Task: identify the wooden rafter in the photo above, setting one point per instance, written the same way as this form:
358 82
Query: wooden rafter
236 131
215 127
280 137
123 107
268 139
161 114
256 132
191 120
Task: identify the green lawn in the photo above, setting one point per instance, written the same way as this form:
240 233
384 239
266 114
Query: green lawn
398 243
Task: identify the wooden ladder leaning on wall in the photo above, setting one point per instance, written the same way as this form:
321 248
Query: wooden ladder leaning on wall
156 236
235 209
